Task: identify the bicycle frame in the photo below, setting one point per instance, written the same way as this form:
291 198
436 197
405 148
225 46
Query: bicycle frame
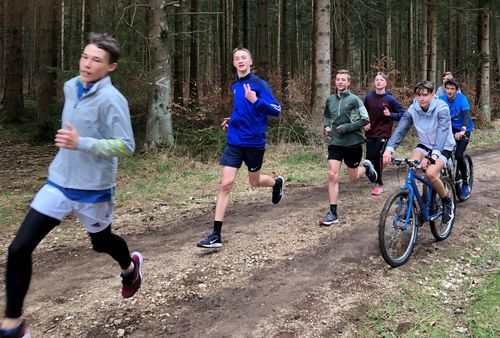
411 187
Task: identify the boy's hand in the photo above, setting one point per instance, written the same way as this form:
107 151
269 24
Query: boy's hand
341 129
67 139
367 127
387 157
225 122
387 112
250 95
327 131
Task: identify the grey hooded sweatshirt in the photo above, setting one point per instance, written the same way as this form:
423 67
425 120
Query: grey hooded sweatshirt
433 127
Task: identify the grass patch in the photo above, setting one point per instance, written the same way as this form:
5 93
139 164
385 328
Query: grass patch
457 297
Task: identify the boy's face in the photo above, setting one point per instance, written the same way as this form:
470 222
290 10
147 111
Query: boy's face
94 64
451 92
242 62
424 98
380 82
446 77
342 82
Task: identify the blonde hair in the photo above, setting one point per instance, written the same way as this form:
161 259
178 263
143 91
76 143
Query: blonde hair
237 49
384 75
344 71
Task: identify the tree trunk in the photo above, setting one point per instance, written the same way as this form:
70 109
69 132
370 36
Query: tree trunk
2 43
497 42
179 54
321 66
294 40
337 33
262 39
411 45
284 46
246 28
223 48
193 54
451 39
237 24
13 100
388 28
159 130
484 26
424 43
47 36
432 16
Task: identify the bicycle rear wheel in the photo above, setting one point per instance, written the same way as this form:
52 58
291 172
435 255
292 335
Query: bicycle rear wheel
441 230
397 231
470 179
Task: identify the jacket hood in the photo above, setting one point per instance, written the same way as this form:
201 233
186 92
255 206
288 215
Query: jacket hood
436 104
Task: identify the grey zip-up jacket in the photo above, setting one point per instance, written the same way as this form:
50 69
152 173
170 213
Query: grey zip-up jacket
433 127
102 119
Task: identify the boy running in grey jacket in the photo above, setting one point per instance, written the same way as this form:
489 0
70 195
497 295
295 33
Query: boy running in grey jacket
96 130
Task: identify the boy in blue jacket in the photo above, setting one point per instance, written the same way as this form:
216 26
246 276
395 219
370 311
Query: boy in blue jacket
246 139
96 130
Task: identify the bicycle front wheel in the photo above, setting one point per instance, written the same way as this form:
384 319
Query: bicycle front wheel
441 230
397 229
470 179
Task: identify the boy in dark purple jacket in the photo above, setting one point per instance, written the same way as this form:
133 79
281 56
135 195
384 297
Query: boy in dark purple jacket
383 109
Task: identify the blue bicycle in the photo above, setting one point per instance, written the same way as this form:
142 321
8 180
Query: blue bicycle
408 209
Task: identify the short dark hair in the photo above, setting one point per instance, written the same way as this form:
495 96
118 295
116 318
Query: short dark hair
424 85
447 74
107 43
452 82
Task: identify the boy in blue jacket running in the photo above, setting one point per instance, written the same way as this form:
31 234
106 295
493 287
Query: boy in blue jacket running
246 139
96 130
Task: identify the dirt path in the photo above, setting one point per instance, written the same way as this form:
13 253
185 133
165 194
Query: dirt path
279 274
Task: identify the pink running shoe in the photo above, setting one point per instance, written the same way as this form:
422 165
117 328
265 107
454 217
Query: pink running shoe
132 283
377 190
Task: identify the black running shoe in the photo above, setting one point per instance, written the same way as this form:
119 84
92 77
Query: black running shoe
447 210
213 241
278 189
370 171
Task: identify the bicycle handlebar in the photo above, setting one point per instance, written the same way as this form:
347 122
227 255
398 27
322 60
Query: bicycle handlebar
410 162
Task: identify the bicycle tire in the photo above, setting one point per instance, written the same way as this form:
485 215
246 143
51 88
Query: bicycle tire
459 181
395 243
439 229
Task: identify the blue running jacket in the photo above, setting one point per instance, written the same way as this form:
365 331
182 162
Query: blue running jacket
248 122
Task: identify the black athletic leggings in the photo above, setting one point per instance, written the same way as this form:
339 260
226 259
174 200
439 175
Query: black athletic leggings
374 150
19 264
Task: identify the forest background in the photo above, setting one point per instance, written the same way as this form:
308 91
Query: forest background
176 68
176 73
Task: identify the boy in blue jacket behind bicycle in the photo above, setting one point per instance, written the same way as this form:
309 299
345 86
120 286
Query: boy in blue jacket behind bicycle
431 118
461 125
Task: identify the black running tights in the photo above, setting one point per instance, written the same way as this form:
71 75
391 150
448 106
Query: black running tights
19 263
374 150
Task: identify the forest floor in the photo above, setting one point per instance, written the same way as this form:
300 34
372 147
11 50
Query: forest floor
279 274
